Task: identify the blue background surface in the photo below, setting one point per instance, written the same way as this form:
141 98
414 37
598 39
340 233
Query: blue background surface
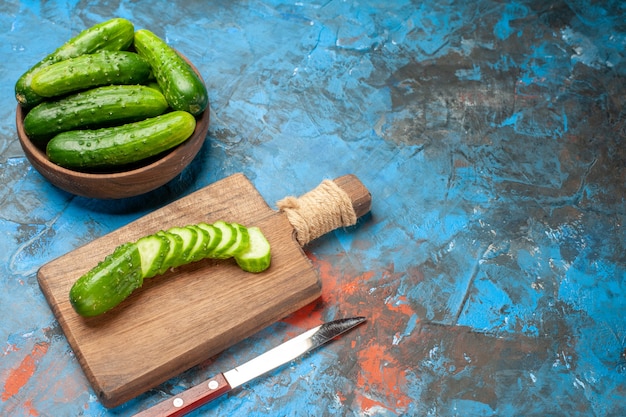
491 136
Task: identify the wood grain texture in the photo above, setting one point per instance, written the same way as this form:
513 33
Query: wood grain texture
185 316
357 192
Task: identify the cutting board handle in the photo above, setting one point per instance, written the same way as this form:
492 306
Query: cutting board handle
330 205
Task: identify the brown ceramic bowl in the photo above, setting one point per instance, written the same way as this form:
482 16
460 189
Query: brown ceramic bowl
115 185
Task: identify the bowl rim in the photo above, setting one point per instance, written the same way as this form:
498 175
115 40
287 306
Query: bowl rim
62 177
122 184
40 155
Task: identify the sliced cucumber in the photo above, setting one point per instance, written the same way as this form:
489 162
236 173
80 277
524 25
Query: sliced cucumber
229 236
152 250
189 236
199 251
215 237
241 243
120 273
257 257
176 247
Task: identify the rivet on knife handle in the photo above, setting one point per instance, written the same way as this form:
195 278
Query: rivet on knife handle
222 383
332 204
190 399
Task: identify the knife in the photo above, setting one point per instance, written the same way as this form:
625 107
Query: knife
222 383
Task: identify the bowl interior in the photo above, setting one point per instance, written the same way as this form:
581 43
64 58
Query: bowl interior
135 180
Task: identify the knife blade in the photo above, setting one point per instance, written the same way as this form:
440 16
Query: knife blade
225 382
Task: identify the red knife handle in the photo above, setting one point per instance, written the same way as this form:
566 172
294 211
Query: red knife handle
189 399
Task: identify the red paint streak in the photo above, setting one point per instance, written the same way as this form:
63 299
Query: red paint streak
311 315
20 375
382 373
328 275
28 406
9 349
337 286
381 376
307 317
401 306
382 364
367 404
341 396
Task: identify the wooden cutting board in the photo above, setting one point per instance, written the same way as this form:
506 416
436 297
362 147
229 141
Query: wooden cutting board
185 316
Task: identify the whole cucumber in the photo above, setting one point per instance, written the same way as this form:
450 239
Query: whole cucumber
181 86
91 70
94 108
113 35
118 146
99 290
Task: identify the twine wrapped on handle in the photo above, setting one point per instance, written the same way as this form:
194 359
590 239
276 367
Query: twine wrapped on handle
319 211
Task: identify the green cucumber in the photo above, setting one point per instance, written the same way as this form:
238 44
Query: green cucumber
152 250
228 238
181 86
257 257
241 243
120 145
120 273
153 84
114 35
98 107
215 237
109 283
175 247
90 70
199 251
189 237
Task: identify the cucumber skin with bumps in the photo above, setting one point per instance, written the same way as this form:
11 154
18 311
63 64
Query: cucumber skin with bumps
182 87
114 35
89 71
98 107
258 256
113 280
99 290
120 145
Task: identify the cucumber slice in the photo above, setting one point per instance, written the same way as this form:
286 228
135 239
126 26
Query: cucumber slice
257 257
152 251
229 235
199 251
241 243
189 236
121 272
176 247
215 237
